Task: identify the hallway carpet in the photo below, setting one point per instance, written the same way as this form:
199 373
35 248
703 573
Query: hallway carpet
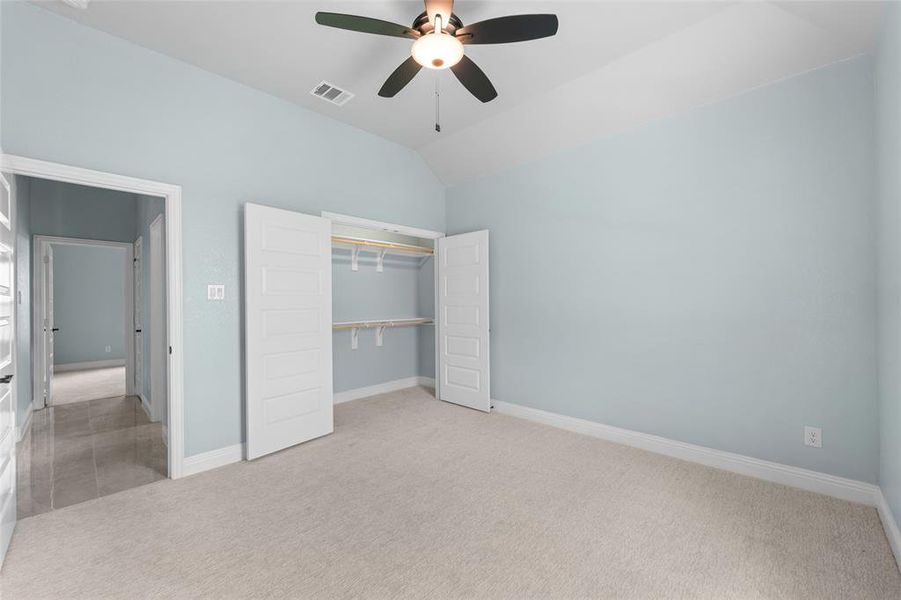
415 498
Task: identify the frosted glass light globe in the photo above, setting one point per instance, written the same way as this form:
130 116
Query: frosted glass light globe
437 50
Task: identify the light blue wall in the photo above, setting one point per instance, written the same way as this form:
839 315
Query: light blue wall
77 96
708 278
89 303
23 306
888 127
68 210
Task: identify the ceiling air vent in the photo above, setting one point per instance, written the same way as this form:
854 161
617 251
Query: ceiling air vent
330 93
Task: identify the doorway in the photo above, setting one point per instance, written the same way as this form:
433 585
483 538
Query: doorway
95 428
83 309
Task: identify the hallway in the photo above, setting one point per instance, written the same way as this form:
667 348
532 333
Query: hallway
80 451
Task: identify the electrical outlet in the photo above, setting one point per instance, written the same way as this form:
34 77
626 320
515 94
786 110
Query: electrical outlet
215 292
813 436
109 349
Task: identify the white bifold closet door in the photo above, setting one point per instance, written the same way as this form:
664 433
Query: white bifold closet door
288 316
463 361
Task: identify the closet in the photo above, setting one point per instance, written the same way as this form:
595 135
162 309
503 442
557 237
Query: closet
333 301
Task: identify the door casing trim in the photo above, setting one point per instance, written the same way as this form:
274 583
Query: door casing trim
30 167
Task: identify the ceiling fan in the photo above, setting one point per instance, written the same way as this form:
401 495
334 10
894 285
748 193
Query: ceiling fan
439 40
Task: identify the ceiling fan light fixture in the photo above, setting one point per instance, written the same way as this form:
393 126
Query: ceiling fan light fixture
438 36
437 50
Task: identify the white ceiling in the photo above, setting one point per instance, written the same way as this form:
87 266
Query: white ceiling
612 66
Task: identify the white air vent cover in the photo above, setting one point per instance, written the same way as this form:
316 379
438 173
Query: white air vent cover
331 93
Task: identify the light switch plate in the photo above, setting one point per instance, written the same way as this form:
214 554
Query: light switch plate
215 292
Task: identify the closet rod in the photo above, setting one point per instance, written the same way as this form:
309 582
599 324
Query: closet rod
374 324
352 241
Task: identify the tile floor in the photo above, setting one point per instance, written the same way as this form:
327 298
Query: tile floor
77 452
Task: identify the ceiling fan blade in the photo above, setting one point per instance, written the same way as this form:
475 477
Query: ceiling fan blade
400 78
365 25
515 28
474 80
439 7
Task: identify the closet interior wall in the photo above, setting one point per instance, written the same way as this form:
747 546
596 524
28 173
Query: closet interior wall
403 289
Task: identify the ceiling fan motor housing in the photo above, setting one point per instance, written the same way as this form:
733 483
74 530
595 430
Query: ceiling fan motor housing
424 26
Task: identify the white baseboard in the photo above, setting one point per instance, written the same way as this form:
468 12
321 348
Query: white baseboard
21 431
212 459
95 364
812 481
382 388
891 527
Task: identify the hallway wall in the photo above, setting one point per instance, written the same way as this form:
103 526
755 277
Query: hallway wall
89 289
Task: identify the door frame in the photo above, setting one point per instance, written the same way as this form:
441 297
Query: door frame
30 167
37 290
155 405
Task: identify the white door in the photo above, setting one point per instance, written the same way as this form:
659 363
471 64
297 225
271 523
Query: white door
48 325
138 298
463 365
158 341
7 367
288 316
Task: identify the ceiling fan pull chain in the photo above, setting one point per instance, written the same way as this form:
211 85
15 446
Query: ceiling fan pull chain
437 106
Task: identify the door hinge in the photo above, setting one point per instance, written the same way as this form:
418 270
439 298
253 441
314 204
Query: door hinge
170 349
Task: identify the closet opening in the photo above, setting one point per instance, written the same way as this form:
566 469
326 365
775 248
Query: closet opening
383 307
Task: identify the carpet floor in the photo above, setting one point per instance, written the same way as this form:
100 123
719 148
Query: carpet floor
415 498
88 384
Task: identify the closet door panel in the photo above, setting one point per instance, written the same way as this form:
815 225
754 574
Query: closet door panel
288 312
463 361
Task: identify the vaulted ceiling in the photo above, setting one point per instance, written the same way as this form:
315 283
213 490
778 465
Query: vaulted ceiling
612 66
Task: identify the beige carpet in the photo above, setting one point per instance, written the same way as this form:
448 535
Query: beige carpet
414 498
88 384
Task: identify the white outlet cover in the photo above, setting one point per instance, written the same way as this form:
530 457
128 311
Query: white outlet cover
813 436
215 292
